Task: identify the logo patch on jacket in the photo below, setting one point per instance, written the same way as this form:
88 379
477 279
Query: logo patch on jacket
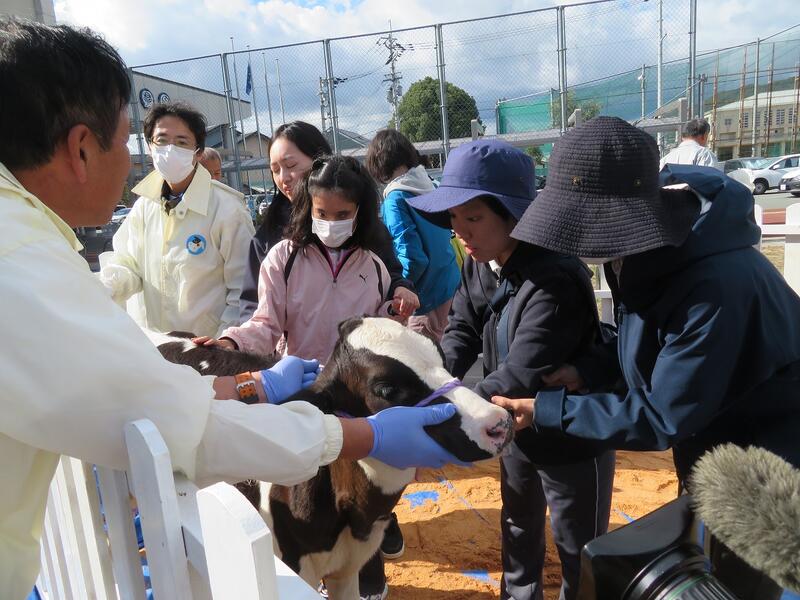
196 244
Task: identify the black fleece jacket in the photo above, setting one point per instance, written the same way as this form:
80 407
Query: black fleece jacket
552 320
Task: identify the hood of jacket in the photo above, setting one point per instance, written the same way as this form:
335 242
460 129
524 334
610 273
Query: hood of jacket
726 224
414 180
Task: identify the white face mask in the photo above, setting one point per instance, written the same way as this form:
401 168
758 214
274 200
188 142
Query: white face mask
173 163
332 233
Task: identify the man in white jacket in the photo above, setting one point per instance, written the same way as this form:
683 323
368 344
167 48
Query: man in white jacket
182 250
76 367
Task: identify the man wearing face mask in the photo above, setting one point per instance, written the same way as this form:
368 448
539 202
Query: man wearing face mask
182 249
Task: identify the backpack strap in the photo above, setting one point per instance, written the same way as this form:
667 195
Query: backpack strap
289 263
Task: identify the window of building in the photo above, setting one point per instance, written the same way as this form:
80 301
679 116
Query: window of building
791 116
745 120
728 122
780 116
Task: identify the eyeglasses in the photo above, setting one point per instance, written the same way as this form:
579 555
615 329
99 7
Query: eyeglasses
180 143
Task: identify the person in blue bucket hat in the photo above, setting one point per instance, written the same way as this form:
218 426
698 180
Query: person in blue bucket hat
529 310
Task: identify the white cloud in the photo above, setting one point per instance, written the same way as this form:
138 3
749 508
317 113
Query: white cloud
494 58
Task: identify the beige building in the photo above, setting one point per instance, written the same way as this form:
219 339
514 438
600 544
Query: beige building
35 10
775 121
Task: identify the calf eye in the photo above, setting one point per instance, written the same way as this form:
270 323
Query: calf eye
384 390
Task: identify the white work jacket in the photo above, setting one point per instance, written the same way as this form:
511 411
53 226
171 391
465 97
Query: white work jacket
77 368
184 269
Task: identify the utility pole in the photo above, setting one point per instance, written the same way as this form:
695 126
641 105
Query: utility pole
324 104
280 90
714 101
393 78
756 78
269 102
643 89
796 107
238 93
768 116
741 106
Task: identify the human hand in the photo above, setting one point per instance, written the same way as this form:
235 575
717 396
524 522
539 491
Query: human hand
205 340
404 302
566 375
522 409
400 440
287 377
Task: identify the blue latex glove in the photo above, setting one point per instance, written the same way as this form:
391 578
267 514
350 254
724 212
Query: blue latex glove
400 441
288 376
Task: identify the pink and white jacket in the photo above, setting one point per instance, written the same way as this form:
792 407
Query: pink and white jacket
309 306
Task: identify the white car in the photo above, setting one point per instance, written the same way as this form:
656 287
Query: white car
791 182
770 176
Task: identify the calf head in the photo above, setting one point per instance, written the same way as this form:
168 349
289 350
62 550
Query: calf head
378 363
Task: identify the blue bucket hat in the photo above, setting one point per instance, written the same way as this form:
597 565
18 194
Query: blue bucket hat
480 168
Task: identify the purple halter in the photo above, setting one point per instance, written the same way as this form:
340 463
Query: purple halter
441 391
437 393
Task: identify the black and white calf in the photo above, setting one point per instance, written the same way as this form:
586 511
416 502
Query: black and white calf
330 526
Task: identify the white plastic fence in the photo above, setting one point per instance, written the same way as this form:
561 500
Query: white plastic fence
200 544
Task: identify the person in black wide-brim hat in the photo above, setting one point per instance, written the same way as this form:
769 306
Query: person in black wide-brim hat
528 309
709 335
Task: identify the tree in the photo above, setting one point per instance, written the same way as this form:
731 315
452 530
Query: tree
535 152
589 108
420 116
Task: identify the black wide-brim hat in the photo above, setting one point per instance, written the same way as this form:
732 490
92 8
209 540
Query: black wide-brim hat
602 197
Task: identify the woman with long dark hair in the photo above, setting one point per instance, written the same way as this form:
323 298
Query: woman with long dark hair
292 150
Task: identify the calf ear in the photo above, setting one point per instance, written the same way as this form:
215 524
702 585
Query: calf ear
347 326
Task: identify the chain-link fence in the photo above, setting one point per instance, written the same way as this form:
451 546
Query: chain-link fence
525 77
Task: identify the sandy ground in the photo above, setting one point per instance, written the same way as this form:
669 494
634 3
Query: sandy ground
451 524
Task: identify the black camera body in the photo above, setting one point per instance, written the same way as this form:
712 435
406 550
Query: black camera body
657 557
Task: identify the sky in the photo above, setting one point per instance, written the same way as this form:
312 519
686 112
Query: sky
148 31
498 58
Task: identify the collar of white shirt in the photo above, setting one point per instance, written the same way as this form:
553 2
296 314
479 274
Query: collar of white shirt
195 197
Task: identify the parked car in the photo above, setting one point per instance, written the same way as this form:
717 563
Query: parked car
96 240
791 182
770 176
752 162
119 215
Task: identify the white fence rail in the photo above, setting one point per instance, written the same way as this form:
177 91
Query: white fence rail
199 544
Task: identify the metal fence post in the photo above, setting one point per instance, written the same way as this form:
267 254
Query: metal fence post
442 90
137 122
562 65
231 121
326 45
756 77
692 58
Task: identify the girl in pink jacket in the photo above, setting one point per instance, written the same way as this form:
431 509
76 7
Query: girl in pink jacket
324 272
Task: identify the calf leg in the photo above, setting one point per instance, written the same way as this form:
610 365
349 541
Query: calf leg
342 587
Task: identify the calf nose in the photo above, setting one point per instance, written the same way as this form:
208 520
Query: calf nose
502 432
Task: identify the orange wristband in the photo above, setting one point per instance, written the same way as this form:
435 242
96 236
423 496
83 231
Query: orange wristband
246 388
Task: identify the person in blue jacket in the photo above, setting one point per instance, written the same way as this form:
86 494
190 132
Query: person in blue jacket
709 334
424 249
